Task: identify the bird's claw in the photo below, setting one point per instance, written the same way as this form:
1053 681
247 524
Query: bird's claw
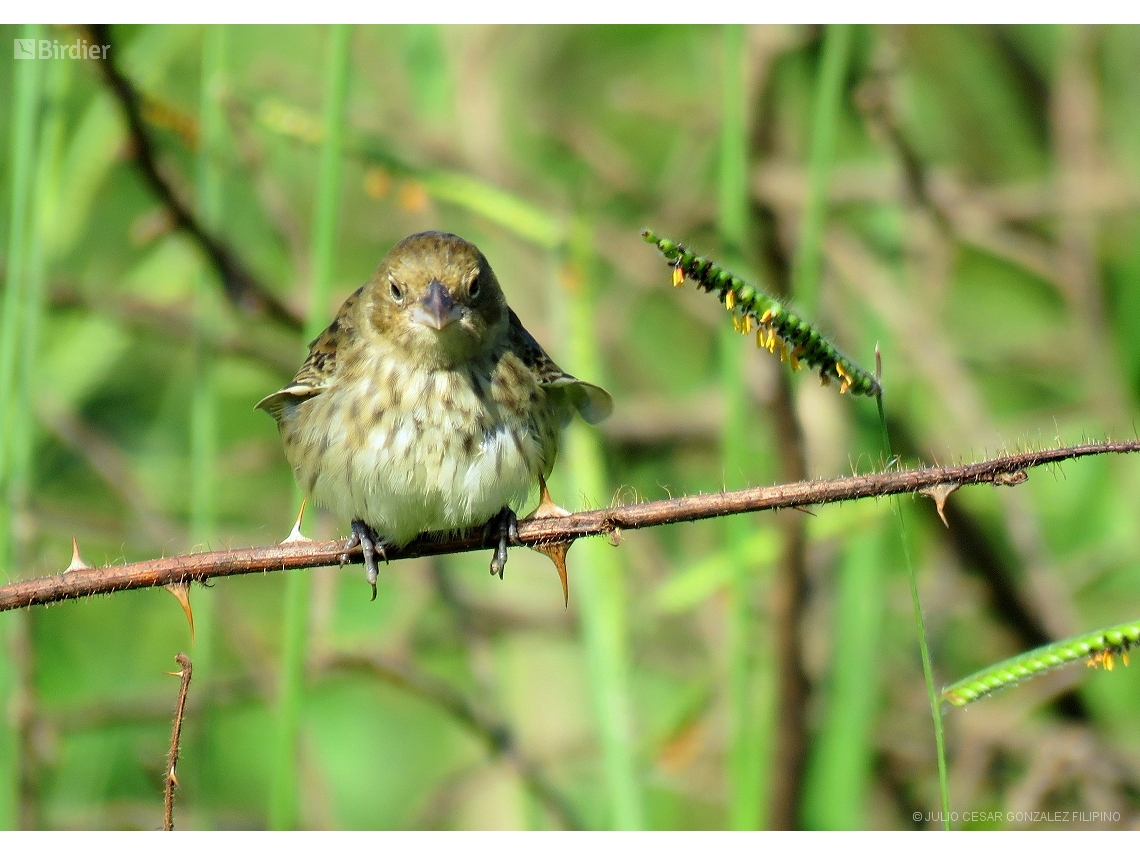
499 559
371 545
505 525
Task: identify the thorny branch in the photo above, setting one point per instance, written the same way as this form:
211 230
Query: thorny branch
81 580
186 669
241 286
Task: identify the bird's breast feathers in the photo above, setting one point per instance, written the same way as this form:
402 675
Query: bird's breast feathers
408 450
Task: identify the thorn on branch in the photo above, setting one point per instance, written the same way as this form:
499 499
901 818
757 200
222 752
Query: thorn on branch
181 592
295 536
77 562
556 552
940 493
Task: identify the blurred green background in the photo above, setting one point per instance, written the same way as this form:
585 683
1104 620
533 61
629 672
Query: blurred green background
966 197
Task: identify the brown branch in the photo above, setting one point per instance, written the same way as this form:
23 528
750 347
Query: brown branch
186 669
788 593
789 601
83 581
240 285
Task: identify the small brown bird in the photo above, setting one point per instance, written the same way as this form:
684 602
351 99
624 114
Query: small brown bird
426 405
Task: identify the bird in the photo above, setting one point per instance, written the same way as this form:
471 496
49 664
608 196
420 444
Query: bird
427 406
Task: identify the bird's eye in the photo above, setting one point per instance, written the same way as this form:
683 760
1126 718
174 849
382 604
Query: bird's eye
397 294
474 290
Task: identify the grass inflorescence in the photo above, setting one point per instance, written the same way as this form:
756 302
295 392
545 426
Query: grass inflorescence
1098 649
778 329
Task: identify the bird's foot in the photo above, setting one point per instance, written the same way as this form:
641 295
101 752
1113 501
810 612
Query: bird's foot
371 544
546 507
504 525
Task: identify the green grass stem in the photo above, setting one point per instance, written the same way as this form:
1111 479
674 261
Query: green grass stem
17 300
284 787
927 668
475 195
24 430
204 396
749 741
21 159
497 205
596 571
21 422
920 624
825 122
839 768
203 431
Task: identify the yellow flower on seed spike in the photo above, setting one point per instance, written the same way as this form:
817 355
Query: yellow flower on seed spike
847 378
778 329
794 356
1100 659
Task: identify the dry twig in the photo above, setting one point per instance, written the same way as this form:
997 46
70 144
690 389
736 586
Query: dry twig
240 285
186 668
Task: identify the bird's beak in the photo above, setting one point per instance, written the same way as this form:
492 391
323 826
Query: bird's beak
437 309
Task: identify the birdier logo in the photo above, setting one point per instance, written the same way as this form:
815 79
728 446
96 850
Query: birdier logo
54 49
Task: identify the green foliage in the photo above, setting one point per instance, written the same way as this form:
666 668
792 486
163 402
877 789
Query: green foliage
284 791
974 214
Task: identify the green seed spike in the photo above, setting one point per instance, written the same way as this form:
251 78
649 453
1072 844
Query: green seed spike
1098 649
798 336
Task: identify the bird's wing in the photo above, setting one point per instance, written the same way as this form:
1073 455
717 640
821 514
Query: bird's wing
593 402
318 368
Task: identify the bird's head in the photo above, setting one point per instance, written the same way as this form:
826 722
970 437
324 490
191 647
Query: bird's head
435 297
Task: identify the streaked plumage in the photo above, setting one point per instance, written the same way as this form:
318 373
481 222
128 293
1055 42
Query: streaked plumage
426 405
